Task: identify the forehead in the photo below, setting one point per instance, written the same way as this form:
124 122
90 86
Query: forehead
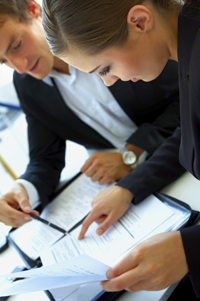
8 24
87 63
78 60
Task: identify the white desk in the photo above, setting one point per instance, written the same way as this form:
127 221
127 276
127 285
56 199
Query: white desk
186 188
7 90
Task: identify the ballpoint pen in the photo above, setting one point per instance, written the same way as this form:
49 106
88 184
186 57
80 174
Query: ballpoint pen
44 221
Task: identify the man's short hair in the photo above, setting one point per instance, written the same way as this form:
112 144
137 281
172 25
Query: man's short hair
15 8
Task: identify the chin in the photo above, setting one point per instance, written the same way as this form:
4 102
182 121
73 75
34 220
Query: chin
151 77
38 75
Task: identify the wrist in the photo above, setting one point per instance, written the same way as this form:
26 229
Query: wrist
129 158
137 150
140 153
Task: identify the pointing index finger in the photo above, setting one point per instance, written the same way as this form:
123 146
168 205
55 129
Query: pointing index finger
93 215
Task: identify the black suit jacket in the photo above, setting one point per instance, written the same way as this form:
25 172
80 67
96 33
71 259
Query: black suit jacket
153 106
189 73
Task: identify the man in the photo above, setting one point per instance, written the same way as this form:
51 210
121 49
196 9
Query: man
62 103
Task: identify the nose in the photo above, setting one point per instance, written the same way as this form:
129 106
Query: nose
109 80
20 64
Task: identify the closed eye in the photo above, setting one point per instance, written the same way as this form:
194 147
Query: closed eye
17 46
105 71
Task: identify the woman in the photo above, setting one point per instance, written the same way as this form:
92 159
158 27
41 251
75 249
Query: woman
133 40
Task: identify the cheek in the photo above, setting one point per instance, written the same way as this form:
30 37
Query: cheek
126 71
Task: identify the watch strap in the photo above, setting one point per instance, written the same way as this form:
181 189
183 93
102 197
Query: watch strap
140 159
133 166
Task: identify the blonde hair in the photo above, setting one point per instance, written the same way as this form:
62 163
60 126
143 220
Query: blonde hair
91 25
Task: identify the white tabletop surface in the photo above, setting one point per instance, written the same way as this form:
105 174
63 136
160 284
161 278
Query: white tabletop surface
186 188
7 91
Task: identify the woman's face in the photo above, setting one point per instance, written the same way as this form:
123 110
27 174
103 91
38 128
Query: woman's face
141 58
151 41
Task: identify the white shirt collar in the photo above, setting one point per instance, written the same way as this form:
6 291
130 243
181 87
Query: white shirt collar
70 79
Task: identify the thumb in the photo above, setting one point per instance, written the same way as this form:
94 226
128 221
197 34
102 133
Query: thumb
25 205
21 197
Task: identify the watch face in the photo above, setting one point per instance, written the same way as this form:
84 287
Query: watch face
129 158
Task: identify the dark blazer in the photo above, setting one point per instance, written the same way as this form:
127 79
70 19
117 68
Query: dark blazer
153 106
189 73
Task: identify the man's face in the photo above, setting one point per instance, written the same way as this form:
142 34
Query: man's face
23 47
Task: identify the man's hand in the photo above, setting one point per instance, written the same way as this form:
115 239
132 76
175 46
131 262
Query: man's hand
9 204
105 167
107 207
152 265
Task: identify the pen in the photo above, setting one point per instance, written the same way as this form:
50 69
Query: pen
44 221
7 168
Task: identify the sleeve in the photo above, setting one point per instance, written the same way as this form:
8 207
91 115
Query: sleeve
47 158
191 243
157 172
46 148
149 136
31 191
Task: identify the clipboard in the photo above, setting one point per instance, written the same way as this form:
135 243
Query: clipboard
102 295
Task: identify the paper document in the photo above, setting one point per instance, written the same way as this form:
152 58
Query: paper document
138 222
74 263
71 264
66 210
71 273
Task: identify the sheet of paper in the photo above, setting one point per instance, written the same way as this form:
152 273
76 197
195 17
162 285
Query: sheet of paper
71 273
71 206
34 237
84 292
136 224
106 248
78 266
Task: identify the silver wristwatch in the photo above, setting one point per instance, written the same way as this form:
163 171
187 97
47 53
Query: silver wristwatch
130 158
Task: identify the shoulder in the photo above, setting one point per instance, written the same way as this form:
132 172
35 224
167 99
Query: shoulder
22 80
24 84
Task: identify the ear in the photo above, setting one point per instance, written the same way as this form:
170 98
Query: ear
34 9
140 17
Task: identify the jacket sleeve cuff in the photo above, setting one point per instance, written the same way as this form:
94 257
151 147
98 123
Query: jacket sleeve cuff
191 242
33 195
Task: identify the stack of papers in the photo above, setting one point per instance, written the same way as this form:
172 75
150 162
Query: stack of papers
89 259
66 210
69 274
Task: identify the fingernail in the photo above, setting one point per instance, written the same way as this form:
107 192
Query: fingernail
109 274
27 208
99 232
27 218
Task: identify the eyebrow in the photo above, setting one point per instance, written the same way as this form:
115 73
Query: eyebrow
94 69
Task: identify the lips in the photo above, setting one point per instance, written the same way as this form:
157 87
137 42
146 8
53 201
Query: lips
35 67
134 80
